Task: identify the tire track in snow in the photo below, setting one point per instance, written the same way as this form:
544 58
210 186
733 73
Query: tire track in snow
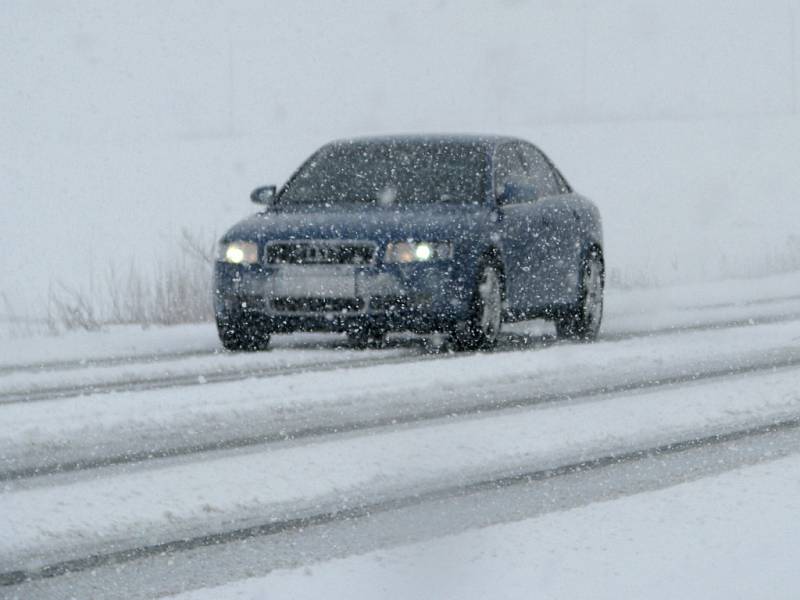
365 509
510 343
134 359
111 361
788 359
727 324
159 382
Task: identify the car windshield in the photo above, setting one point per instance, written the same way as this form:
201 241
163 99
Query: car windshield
392 173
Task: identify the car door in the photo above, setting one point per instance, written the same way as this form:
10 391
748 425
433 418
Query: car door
553 233
515 196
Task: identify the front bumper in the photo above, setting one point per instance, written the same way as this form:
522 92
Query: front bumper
416 297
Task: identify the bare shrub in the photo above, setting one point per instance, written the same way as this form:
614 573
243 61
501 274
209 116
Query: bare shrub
69 309
182 294
197 249
174 292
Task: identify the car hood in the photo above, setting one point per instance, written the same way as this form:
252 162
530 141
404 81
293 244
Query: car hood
375 224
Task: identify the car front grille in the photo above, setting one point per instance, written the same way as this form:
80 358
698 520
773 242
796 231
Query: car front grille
389 303
317 305
322 252
246 302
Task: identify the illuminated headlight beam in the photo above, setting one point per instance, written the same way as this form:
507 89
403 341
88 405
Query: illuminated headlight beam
408 252
238 253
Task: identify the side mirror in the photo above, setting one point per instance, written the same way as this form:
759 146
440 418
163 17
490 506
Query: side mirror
264 195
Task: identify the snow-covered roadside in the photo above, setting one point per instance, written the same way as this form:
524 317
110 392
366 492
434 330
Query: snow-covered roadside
71 424
711 294
714 302
206 365
233 491
123 340
730 536
626 310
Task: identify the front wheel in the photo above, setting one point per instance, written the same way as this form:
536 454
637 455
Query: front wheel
236 332
582 321
481 330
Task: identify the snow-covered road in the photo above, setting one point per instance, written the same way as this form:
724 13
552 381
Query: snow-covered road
658 545
218 448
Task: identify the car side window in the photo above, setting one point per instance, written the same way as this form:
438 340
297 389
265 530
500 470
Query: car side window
541 173
508 168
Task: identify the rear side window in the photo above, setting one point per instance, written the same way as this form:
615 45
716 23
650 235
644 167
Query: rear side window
541 173
508 167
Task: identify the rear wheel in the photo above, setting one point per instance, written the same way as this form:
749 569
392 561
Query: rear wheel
582 322
237 332
480 331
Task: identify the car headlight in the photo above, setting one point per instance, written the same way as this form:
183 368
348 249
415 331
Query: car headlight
245 253
408 252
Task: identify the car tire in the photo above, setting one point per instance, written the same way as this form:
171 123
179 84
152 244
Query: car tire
237 333
480 331
582 321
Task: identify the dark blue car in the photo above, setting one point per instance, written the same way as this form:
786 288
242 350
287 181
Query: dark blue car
437 233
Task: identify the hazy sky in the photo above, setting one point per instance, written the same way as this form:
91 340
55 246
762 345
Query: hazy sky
125 121
88 71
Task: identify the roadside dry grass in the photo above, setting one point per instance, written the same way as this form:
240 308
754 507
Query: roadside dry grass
173 292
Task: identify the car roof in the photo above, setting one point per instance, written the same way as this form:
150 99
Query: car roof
487 141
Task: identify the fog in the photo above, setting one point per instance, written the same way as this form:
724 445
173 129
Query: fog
364 416
124 124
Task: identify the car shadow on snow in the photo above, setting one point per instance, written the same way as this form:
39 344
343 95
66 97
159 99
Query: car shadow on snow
415 344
